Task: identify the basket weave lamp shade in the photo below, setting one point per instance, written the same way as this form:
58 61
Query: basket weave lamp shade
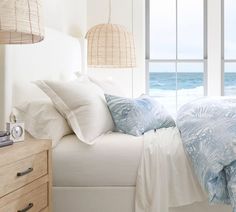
110 46
21 22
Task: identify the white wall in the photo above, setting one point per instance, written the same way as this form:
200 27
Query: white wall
69 16
122 14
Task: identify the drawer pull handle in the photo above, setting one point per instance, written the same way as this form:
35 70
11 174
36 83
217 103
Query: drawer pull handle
19 174
26 208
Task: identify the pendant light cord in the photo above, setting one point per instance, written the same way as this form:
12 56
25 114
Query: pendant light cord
109 14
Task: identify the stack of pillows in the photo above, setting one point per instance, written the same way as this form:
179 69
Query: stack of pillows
92 108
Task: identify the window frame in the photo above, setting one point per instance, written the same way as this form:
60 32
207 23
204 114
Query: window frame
176 61
223 60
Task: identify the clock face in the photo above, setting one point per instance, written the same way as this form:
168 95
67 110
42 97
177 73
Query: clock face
17 132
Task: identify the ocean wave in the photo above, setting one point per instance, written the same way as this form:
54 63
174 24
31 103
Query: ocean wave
168 97
198 91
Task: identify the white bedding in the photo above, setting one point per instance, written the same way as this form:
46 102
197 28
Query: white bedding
165 178
103 176
166 181
112 161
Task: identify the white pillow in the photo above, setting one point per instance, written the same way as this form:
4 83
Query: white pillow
108 85
42 120
83 104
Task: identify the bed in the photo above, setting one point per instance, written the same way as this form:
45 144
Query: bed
103 177
99 178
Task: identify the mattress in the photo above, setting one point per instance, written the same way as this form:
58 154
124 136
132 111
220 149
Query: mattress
112 161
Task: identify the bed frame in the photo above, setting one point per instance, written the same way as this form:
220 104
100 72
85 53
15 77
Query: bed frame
57 58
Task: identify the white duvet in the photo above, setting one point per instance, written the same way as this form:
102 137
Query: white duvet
165 178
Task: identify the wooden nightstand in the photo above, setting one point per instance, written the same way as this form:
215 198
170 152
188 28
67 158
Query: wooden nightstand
26 176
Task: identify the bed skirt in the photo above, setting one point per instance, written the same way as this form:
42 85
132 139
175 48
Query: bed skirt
115 199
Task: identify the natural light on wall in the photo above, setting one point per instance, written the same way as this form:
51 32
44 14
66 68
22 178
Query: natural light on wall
175 54
229 47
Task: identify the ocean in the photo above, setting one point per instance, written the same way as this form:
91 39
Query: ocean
189 87
167 81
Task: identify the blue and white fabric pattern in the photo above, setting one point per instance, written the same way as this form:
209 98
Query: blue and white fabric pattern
137 116
208 132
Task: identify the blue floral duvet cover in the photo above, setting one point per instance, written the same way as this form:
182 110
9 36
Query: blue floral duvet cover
208 131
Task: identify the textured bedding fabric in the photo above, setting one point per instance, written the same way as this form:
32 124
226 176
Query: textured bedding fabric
112 161
208 131
137 116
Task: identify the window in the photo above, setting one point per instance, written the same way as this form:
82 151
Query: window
175 50
229 47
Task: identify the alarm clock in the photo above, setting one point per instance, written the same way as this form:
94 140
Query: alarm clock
16 130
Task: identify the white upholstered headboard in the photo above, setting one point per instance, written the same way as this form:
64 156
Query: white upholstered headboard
55 58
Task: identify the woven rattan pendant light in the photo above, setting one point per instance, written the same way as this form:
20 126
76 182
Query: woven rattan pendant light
21 22
110 46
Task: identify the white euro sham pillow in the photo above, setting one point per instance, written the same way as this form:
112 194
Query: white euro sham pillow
42 120
108 85
84 106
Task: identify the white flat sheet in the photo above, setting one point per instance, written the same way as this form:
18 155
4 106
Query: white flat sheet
165 178
112 161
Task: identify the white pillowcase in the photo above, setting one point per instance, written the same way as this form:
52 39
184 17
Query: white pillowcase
108 85
84 106
42 120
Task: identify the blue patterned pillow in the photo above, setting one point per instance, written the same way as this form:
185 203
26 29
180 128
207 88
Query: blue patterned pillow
137 116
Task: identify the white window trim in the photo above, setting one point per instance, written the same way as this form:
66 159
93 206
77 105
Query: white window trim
223 60
215 48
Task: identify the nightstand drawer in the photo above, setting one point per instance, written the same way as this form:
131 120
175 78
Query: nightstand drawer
22 172
34 201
